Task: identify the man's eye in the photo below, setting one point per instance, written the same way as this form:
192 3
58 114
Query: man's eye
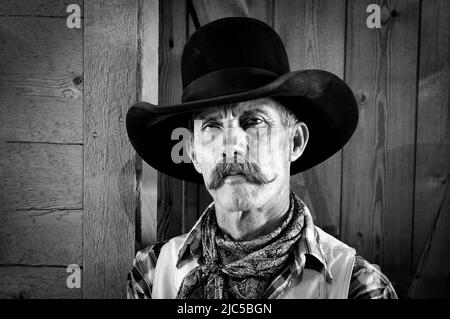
210 125
253 122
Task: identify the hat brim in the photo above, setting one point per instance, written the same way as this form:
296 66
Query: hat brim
319 98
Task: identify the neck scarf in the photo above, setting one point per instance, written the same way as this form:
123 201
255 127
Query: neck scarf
245 266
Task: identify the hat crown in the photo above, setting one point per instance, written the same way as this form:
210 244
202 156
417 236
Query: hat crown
230 43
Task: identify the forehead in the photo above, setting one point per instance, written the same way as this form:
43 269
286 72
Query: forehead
265 106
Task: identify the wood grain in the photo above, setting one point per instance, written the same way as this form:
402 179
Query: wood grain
314 35
171 42
378 163
204 199
210 10
46 8
170 203
35 283
41 176
41 237
190 191
431 279
262 10
433 121
110 188
149 63
41 81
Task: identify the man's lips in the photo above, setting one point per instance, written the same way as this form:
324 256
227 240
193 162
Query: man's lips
233 174
234 179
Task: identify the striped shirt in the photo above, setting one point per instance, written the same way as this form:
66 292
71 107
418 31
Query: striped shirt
367 281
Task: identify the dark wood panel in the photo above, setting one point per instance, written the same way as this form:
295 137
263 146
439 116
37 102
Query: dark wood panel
172 38
210 10
35 283
314 35
41 92
262 10
43 237
378 162
190 206
431 278
48 8
204 199
110 197
41 176
433 121
149 63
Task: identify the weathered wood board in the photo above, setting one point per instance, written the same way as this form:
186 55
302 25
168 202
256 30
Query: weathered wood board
41 80
431 277
41 237
378 163
41 176
38 8
36 283
432 173
110 183
171 42
314 35
149 66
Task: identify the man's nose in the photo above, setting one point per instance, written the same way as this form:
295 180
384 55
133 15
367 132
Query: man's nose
235 144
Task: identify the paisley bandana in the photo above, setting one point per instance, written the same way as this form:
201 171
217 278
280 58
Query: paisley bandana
241 269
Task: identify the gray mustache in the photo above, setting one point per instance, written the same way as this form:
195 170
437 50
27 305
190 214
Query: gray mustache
250 170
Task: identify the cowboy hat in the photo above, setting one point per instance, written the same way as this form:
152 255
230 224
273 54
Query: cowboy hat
239 59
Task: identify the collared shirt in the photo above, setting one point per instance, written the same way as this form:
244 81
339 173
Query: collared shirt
367 281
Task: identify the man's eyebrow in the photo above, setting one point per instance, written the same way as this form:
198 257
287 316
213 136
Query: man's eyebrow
255 111
207 116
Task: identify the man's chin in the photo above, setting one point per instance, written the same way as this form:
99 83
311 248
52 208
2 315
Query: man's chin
240 196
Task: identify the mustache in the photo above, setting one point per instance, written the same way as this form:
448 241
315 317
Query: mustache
250 170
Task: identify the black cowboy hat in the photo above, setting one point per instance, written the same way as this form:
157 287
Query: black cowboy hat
239 59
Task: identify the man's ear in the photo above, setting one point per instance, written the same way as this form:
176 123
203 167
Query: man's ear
300 137
191 152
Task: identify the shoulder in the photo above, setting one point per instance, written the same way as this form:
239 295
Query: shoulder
331 245
140 278
147 258
368 282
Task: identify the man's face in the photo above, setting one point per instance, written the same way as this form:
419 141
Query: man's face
244 152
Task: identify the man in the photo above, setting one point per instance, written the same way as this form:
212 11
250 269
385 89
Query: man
252 124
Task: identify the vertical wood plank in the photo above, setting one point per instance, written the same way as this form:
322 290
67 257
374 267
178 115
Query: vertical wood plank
433 121
431 279
191 191
378 163
41 152
149 46
110 198
210 10
171 43
313 32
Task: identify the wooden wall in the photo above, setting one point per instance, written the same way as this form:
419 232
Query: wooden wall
74 192
383 193
111 201
41 149
69 191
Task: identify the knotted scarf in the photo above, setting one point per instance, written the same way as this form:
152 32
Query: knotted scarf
241 269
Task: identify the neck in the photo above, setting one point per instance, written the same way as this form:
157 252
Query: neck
251 224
